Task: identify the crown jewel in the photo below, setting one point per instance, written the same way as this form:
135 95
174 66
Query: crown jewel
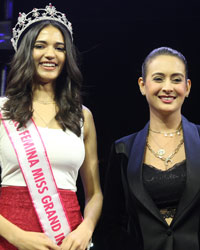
37 15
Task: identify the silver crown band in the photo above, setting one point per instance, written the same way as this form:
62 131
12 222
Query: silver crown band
37 15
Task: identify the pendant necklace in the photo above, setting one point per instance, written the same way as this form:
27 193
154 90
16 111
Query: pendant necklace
161 157
42 119
161 151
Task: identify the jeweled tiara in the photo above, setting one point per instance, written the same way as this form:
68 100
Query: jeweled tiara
37 15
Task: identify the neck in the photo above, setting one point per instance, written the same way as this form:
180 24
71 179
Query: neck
43 93
165 123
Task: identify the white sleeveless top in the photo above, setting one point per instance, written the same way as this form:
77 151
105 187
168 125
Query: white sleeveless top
65 150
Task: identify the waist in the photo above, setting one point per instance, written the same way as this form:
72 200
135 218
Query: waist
13 194
16 206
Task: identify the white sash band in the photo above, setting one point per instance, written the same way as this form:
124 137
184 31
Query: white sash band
35 166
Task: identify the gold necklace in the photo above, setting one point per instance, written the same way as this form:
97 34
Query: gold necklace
161 150
168 134
45 102
46 124
160 155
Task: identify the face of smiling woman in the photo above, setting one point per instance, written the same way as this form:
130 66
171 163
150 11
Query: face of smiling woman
49 54
166 86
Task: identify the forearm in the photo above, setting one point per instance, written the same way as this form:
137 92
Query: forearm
24 240
92 211
8 230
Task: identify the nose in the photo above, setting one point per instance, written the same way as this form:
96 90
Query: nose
167 86
50 52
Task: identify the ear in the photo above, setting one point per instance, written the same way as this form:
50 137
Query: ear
141 85
189 84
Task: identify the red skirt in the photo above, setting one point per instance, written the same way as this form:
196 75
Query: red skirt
16 206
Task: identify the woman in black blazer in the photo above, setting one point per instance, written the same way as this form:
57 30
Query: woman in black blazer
152 191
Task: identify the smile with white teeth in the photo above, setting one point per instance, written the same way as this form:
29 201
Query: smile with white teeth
167 97
49 64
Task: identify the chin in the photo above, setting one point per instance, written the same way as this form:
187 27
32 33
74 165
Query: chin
45 81
168 112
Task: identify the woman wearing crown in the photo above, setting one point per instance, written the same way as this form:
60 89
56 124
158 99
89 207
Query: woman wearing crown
153 180
46 137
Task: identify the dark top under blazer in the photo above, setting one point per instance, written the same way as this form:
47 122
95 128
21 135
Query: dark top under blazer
130 219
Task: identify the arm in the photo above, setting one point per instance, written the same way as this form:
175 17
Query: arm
24 240
80 237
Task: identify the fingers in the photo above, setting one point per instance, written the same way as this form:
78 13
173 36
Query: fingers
55 247
73 245
49 243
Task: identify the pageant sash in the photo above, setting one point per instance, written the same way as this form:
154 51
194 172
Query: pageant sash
35 166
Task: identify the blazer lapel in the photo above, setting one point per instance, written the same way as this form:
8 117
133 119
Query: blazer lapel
134 173
192 150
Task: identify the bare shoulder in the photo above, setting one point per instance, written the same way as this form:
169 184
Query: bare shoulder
88 121
87 114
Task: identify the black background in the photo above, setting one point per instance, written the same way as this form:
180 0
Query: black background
114 37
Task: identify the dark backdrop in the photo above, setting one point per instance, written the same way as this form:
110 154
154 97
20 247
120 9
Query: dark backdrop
114 37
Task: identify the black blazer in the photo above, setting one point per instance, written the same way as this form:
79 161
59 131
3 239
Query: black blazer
130 218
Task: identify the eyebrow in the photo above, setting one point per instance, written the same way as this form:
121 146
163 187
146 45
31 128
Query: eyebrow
41 41
162 74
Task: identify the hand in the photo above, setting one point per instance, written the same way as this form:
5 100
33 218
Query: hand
77 239
34 241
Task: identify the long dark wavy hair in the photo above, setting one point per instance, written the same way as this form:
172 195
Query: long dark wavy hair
67 87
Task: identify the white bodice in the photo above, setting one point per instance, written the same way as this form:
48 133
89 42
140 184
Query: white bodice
65 151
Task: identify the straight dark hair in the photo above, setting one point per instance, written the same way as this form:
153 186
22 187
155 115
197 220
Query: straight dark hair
163 51
66 89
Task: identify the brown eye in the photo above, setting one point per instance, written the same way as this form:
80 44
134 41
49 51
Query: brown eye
157 79
177 80
61 49
38 46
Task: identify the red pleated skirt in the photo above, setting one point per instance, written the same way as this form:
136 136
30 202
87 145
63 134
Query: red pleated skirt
16 206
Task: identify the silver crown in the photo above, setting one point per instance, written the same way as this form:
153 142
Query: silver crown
37 15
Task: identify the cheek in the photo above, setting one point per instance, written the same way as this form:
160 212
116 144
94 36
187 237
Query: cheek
62 62
62 59
152 89
35 57
181 90
37 54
